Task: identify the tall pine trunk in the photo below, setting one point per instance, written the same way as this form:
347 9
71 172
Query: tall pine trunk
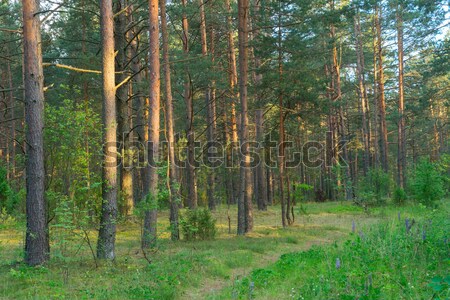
245 208
401 157
37 247
381 94
172 180
107 233
123 113
191 177
151 213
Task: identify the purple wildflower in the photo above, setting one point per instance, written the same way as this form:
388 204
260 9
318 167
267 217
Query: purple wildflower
338 263
353 226
407 225
361 234
424 234
398 215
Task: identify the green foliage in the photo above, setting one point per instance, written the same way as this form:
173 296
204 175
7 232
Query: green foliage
399 196
386 261
375 187
198 224
427 183
73 140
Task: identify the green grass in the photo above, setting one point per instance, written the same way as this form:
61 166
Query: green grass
382 261
192 270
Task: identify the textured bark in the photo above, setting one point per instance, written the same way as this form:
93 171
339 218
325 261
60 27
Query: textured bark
260 182
140 134
123 113
37 248
381 95
362 93
401 157
191 177
150 219
210 118
232 131
107 233
245 208
172 180
281 153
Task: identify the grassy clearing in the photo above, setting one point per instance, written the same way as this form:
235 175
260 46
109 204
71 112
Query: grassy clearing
395 259
183 270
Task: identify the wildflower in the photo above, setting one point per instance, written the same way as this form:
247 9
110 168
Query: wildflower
424 234
399 216
338 263
407 225
353 226
361 235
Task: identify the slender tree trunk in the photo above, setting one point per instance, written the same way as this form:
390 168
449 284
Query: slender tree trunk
191 177
381 95
37 248
172 180
210 132
260 186
107 233
401 158
362 95
151 214
233 82
123 118
245 208
138 104
281 145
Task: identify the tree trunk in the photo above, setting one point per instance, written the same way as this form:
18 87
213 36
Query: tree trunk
191 177
37 247
210 132
401 158
260 182
123 118
138 104
172 180
149 232
107 233
245 208
233 132
362 95
381 95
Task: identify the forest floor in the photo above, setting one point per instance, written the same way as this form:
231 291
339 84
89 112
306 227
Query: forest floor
176 270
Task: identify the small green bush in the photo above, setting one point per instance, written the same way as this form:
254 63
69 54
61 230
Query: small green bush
427 183
375 187
400 196
198 224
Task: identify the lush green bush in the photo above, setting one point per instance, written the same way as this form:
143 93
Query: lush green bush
198 224
400 196
427 182
375 187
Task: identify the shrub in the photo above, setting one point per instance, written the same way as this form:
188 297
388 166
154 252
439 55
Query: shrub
400 196
198 224
375 187
427 183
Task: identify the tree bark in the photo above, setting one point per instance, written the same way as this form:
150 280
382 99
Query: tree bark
245 209
381 95
107 233
364 104
401 157
260 182
191 177
150 219
123 114
37 247
172 180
